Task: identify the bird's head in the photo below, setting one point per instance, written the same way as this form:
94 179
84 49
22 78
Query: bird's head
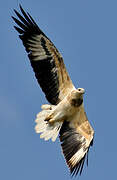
77 97
81 91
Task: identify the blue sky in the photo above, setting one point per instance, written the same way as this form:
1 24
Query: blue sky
85 32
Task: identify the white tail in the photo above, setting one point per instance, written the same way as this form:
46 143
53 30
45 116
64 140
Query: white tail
47 130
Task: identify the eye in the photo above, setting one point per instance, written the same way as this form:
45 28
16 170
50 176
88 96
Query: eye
81 90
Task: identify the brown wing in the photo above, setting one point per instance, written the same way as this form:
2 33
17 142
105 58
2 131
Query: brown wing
45 59
76 139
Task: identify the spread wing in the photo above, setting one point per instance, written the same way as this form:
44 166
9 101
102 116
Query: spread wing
76 139
45 59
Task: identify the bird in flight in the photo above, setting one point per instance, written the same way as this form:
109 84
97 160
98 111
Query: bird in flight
65 115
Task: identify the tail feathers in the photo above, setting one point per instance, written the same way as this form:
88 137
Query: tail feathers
51 132
47 130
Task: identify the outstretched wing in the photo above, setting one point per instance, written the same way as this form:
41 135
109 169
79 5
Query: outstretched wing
45 59
76 139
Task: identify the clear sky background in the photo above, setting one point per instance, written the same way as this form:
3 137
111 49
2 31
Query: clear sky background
85 32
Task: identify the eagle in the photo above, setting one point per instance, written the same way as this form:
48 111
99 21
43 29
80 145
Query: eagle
64 116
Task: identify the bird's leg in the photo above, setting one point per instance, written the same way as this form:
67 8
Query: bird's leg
51 121
55 118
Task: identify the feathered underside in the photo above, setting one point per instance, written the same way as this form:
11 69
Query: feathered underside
45 59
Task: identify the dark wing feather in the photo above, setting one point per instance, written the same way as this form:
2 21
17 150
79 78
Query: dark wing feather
45 59
74 147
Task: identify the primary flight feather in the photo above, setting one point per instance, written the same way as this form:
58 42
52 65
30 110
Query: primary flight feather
65 115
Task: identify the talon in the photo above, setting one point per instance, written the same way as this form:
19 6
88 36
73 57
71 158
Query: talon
46 120
51 121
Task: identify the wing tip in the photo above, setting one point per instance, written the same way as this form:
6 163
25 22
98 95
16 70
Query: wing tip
77 168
